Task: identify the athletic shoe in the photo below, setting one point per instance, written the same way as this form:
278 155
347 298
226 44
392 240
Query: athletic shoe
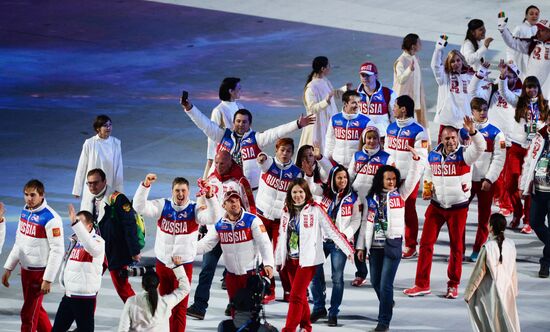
505 212
417 291
332 321
380 328
452 293
224 286
316 315
409 253
473 256
526 229
514 223
544 271
268 298
195 313
359 282
286 297
227 311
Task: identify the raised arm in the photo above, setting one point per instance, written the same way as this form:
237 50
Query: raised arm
94 247
474 150
511 98
148 209
271 135
183 289
208 127
475 88
437 61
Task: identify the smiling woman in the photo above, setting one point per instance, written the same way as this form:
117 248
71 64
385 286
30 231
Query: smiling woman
101 151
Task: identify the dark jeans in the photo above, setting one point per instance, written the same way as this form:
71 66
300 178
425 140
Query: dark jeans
540 212
318 285
202 292
80 310
382 275
361 267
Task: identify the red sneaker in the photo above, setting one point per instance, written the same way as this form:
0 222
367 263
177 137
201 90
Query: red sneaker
505 212
526 229
359 282
417 291
268 299
409 253
452 293
286 297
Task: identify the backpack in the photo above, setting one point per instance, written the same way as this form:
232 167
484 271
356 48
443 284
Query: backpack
140 222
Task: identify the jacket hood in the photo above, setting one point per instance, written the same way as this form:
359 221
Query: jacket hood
331 185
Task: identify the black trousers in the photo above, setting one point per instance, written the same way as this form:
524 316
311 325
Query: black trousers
80 310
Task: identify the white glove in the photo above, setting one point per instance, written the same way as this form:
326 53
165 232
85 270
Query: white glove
442 42
501 22
482 72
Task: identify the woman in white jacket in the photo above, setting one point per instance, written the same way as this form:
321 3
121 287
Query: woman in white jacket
148 311
319 99
475 44
300 248
382 229
452 77
101 151
493 287
526 30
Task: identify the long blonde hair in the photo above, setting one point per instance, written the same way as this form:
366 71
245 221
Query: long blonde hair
447 65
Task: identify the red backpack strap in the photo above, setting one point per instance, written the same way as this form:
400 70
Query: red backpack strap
113 197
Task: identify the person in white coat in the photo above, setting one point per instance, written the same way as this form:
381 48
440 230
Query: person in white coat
83 261
2 226
493 287
475 44
101 151
526 30
320 99
222 114
148 310
300 248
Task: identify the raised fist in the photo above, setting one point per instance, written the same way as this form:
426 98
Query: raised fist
442 42
502 21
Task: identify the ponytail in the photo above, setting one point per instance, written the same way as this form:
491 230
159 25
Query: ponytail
317 65
498 225
150 282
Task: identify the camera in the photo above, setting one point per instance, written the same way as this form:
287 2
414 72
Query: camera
139 269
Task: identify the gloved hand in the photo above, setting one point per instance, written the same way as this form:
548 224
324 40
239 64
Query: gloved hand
442 42
502 21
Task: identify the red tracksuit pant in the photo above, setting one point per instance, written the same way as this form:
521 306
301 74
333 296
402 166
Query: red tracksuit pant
411 219
33 315
122 285
501 194
234 282
514 157
298 308
484 202
456 222
168 283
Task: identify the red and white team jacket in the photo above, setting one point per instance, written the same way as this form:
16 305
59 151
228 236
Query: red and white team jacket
245 243
491 162
313 223
395 208
451 176
274 183
83 263
401 134
363 167
39 243
234 181
378 107
177 226
251 145
501 113
453 100
343 135
530 162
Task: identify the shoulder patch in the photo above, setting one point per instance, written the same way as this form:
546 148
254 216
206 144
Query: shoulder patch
502 144
262 228
424 144
56 232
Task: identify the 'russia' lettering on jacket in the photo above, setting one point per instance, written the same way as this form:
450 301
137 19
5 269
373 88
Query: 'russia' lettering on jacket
249 146
453 165
34 225
346 206
351 133
177 223
79 254
377 104
280 179
238 233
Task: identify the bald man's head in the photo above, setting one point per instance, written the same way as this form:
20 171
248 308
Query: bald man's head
449 138
223 162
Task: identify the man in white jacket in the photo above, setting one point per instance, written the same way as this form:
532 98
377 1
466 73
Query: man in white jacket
450 172
244 241
39 249
83 261
243 143
178 220
345 129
